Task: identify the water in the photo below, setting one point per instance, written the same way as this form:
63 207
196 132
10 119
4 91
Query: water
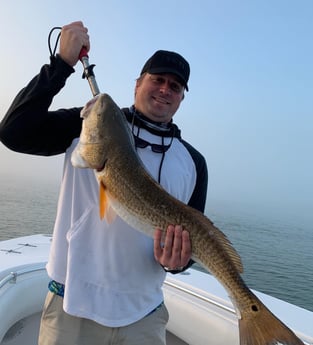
26 207
277 255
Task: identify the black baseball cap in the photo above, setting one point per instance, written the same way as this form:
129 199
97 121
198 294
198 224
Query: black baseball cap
164 61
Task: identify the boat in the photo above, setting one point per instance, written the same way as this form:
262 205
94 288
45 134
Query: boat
200 311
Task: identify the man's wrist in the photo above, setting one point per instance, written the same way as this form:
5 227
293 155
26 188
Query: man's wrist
173 270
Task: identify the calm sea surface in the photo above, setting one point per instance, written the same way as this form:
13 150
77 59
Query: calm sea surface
277 256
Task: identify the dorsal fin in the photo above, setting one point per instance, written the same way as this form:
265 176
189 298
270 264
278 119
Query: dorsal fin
231 251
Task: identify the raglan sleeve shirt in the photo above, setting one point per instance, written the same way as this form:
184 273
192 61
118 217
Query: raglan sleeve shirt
29 127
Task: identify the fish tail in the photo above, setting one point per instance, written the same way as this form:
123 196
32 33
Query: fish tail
260 327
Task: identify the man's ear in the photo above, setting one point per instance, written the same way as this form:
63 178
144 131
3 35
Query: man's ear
136 86
138 83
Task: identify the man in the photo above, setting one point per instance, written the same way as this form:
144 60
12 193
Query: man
106 279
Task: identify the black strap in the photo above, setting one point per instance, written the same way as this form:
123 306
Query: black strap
142 121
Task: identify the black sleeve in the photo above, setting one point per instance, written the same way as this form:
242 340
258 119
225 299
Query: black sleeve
29 127
198 197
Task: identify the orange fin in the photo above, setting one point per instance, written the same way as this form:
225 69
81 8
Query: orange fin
105 210
103 200
258 326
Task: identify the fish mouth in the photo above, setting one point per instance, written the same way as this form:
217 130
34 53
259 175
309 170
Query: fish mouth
87 108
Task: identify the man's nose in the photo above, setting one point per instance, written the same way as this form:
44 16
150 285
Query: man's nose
165 87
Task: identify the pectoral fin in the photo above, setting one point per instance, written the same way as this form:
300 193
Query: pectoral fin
105 210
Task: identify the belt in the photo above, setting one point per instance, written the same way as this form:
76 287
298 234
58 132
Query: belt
58 289
155 309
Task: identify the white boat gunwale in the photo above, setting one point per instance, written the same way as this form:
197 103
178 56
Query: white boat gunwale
192 297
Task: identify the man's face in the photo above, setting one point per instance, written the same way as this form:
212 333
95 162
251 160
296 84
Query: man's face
158 96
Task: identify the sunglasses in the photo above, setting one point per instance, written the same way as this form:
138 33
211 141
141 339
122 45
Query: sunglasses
141 143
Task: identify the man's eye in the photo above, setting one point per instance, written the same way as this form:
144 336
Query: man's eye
176 87
159 80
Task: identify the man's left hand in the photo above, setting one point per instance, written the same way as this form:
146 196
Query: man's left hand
174 250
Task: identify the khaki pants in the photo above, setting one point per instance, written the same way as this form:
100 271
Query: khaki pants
59 328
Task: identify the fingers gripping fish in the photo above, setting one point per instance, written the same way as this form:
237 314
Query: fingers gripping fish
106 145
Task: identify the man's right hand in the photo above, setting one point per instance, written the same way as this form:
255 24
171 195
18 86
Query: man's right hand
74 36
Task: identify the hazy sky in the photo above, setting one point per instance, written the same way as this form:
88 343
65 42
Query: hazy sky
249 108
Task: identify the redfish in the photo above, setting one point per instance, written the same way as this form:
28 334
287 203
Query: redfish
106 144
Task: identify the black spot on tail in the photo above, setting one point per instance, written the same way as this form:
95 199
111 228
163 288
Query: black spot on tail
254 307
